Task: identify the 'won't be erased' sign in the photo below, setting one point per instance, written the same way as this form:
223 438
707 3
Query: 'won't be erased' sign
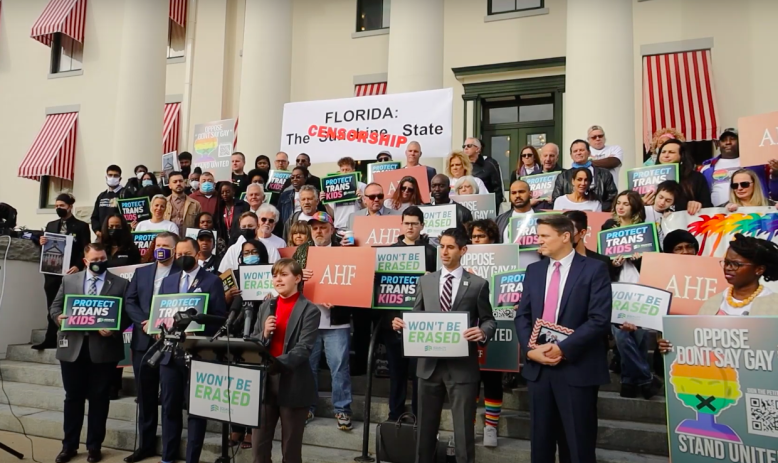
435 334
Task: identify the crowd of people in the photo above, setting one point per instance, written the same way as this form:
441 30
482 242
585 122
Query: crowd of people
234 225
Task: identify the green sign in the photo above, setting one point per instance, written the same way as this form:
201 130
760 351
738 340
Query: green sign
398 270
541 185
722 391
340 188
135 209
165 306
502 352
377 167
626 241
645 179
92 313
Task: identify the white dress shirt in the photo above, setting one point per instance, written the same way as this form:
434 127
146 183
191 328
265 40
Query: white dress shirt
457 273
88 282
192 278
564 270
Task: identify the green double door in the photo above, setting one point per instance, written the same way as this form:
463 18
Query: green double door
504 145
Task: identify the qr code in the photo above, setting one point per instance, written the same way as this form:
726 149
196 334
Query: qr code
225 150
762 414
504 314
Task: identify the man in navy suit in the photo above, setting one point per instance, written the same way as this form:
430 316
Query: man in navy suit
564 379
172 371
144 285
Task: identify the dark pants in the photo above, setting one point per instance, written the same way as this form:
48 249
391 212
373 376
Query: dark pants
462 396
51 284
147 386
84 380
399 367
360 339
174 380
492 381
564 414
292 428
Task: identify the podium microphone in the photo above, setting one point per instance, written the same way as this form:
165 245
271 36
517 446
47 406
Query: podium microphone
227 325
248 316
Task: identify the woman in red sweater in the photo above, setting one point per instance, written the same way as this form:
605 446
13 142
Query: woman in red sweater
288 325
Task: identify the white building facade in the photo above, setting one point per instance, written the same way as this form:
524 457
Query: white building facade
88 83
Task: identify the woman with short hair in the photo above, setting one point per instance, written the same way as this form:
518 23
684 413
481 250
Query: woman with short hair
458 165
467 185
157 221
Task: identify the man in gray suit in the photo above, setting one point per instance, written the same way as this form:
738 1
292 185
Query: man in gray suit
88 358
451 289
373 200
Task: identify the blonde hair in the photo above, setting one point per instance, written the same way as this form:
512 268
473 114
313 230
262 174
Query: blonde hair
466 164
757 197
298 227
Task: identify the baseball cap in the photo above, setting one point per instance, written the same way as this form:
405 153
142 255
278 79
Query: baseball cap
205 234
384 153
320 216
730 131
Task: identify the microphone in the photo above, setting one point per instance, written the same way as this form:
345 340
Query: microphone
205 319
273 304
227 325
248 315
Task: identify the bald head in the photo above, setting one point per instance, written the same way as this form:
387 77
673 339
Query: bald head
549 156
520 196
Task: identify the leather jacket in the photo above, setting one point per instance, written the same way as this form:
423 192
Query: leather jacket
602 186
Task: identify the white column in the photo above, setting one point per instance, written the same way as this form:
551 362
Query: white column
140 90
415 46
599 82
266 74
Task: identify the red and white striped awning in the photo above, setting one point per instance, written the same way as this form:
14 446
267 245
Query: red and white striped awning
53 153
378 88
678 92
170 126
235 139
178 12
65 16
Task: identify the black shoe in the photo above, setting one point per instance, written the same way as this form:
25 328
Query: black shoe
93 456
45 345
615 365
65 456
138 455
113 394
628 391
651 389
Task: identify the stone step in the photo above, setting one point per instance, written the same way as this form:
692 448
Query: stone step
323 442
23 353
624 436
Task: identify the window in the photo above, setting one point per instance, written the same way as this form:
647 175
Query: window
50 188
66 54
176 40
372 15
510 6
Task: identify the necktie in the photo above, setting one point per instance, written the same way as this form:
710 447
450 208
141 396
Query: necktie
92 287
552 295
445 295
185 283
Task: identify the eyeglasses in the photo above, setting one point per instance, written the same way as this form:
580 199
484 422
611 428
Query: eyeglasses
412 224
375 197
409 189
252 252
297 177
468 145
736 185
735 265
265 219
526 155
597 137
384 159
477 237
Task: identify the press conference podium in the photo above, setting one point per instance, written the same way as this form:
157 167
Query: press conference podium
247 362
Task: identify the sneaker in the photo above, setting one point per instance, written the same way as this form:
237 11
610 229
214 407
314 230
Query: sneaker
490 436
309 418
651 389
344 421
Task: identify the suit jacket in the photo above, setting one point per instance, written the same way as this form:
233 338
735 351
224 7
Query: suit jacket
137 303
473 297
81 237
588 314
102 349
364 212
297 387
191 210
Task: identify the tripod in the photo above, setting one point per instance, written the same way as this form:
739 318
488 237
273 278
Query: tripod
11 451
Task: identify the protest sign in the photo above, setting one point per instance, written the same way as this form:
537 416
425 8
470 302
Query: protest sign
341 276
482 206
91 313
143 240
643 306
192 233
135 209
541 185
439 218
506 292
595 221
486 260
690 279
395 290
758 139
377 230
721 389
225 393
376 167
127 339
430 334
524 230
126 271
165 306
715 227
401 259
390 181
502 352
213 143
256 282
228 280
339 188
626 241
276 180
55 254
644 180
359 127
169 164
287 253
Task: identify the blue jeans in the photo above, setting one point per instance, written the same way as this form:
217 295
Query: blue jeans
336 348
633 349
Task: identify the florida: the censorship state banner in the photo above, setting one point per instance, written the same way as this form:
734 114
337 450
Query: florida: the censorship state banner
360 127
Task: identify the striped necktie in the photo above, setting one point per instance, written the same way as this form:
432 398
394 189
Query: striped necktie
445 295
92 287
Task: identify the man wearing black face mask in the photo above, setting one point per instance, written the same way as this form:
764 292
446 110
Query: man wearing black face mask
65 225
185 162
88 358
173 372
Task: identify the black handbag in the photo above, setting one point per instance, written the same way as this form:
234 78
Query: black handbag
396 440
